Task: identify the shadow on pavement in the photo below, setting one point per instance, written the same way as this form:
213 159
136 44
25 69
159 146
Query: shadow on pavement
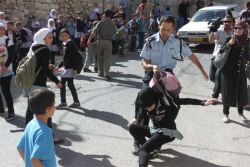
68 157
115 76
19 123
177 159
102 115
67 135
119 65
123 75
127 83
246 125
84 77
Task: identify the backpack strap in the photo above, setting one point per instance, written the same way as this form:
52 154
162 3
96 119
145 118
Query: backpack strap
38 50
35 52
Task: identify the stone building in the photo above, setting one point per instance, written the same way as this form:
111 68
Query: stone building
22 9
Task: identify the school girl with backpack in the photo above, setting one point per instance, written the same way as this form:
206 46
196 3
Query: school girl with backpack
6 72
73 63
40 51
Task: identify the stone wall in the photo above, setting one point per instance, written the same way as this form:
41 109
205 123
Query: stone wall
22 9
173 4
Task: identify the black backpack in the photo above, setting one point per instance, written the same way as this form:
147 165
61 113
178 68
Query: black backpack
80 64
79 60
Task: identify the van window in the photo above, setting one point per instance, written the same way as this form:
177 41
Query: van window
235 11
207 15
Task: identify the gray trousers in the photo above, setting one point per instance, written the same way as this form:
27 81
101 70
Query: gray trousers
104 55
90 54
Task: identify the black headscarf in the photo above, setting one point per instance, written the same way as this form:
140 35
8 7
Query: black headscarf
147 97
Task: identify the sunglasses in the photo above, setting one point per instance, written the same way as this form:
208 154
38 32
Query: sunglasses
227 21
238 28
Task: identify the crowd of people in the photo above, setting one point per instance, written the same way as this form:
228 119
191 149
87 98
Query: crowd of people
100 36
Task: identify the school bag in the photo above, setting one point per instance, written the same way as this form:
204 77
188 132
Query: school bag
80 63
84 41
78 58
120 34
26 70
170 83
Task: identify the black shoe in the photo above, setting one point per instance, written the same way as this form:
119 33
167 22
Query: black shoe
96 69
136 147
74 105
61 105
215 96
153 154
87 70
58 140
10 117
100 75
2 112
108 78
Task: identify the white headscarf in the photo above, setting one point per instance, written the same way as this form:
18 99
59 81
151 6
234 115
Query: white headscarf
40 36
51 15
49 26
2 25
2 14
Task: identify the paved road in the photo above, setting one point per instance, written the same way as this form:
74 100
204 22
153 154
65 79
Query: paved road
96 134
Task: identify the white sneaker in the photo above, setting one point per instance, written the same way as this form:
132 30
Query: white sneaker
242 117
225 119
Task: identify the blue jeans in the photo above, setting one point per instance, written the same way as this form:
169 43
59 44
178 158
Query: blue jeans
141 36
217 84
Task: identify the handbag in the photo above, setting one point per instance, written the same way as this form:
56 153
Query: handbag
221 59
212 70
